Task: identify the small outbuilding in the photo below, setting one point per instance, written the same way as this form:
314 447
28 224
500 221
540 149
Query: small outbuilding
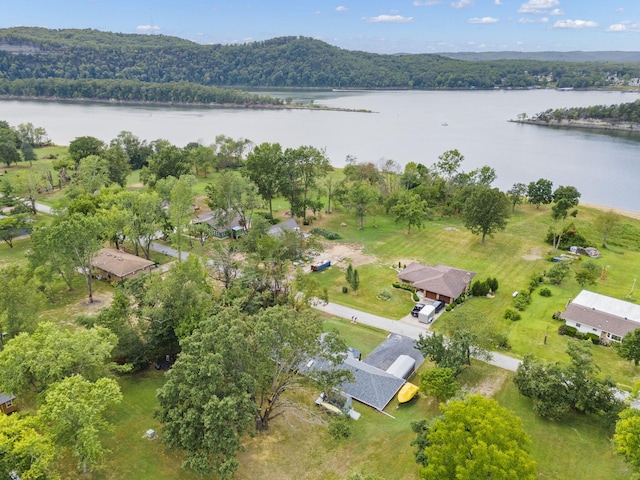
7 403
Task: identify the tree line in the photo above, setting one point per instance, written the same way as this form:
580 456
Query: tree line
623 112
74 55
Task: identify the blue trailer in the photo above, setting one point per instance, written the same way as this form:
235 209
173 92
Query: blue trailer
318 267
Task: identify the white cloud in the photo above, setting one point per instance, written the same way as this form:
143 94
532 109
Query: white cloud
538 6
619 10
462 3
388 19
341 8
534 20
428 3
483 20
624 27
497 2
556 11
148 28
575 24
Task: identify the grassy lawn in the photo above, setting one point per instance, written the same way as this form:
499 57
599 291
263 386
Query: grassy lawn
512 256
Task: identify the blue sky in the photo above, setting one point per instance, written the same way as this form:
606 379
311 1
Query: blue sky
383 26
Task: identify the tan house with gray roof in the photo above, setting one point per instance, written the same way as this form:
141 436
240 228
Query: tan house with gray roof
115 266
609 318
437 282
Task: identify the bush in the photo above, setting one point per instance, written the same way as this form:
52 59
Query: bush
493 284
384 294
595 339
415 296
521 301
340 427
545 292
557 315
404 286
511 314
570 331
449 307
480 289
345 290
329 235
535 281
570 237
562 329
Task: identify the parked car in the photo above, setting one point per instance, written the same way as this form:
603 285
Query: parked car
416 309
438 305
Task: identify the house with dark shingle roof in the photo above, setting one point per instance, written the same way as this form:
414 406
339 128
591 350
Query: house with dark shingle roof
222 223
437 282
609 318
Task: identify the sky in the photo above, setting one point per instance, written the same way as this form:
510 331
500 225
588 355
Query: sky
380 26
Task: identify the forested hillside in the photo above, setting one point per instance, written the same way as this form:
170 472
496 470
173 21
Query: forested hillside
36 53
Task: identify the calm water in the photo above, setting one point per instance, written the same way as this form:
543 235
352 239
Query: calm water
406 126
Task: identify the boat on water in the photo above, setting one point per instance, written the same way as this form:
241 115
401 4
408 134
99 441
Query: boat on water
445 124
407 392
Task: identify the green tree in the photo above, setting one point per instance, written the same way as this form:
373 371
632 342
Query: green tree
264 168
20 302
117 162
50 354
206 403
92 174
477 438
28 154
411 209
516 194
440 383
302 168
486 211
14 226
452 353
77 239
75 410
587 273
626 440
359 197
606 223
629 349
558 272
203 159
9 153
25 450
181 210
30 186
540 192
167 161
34 136
231 196
82 147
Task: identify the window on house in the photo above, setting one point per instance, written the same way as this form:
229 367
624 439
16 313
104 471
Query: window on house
9 403
578 325
594 329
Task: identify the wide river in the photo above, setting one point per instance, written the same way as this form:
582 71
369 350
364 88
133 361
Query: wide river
406 126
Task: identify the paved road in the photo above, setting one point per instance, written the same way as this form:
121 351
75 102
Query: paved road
408 326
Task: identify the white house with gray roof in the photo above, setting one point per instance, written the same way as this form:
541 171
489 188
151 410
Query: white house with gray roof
609 318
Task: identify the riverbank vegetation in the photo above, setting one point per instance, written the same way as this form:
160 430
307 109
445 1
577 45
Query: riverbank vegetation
238 308
92 64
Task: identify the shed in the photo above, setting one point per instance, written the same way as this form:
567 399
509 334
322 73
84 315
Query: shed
403 367
7 403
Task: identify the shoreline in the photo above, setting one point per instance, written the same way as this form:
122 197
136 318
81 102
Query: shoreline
586 124
256 106
619 211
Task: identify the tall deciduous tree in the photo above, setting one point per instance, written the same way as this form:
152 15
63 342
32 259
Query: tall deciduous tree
540 192
303 168
359 197
14 226
206 403
264 168
75 408
77 238
486 211
412 210
25 449
629 349
626 440
36 361
440 383
516 194
477 438
606 223
82 147
180 210
118 163
231 195
20 301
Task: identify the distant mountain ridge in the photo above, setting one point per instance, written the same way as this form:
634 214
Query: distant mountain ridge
74 63
550 56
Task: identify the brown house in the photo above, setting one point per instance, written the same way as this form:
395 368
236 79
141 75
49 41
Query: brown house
7 403
116 266
437 282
